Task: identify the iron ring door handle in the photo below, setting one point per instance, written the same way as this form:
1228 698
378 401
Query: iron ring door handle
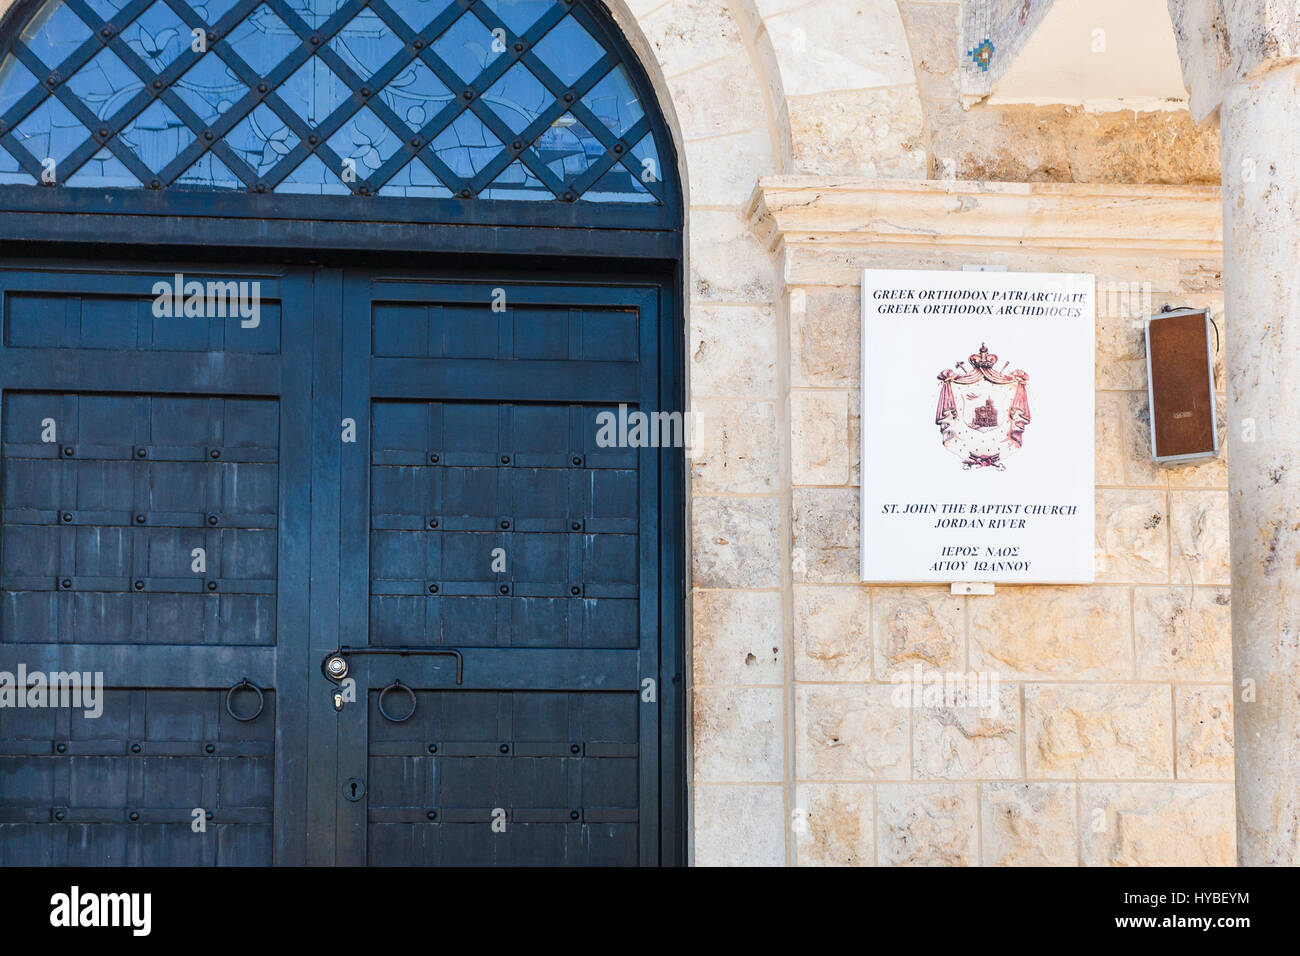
396 685
261 700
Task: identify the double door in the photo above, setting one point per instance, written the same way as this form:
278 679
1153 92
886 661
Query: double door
362 576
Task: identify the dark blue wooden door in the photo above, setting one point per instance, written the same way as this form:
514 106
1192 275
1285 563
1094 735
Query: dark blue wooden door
382 467
493 524
155 484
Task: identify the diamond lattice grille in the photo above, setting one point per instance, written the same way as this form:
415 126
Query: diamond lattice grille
503 99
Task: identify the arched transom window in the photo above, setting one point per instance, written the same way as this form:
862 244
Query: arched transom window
499 99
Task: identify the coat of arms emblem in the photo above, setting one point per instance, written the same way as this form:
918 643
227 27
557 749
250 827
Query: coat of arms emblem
983 412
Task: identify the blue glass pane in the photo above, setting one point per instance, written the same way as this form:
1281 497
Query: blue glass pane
50 131
366 141
647 158
210 172
209 88
261 139
617 185
416 95
418 14
157 136
12 172
15 82
314 91
466 146
213 10
366 44
107 9
614 101
519 15
158 36
105 84
415 179
568 148
262 40
518 98
568 51
517 182
104 171
467 47
54 33
315 12
314 178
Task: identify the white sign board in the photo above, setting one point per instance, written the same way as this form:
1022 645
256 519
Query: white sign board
977 426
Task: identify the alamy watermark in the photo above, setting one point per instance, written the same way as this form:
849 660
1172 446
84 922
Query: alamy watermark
638 429
215 298
37 689
976 690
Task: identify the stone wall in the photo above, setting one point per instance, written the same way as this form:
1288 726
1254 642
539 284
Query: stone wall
1113 744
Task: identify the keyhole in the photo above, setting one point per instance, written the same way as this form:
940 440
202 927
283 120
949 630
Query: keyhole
354 791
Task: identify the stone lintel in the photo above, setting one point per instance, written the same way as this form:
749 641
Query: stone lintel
849 213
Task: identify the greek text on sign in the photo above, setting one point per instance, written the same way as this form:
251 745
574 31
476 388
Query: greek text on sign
977 426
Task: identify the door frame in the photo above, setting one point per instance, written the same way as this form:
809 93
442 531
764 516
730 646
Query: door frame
555 255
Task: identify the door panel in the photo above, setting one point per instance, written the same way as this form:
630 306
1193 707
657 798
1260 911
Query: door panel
500 528
148 501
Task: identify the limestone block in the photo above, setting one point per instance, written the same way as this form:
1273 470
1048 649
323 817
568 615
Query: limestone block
826 338
1029 824
849 732
1200 549
819 431
727 262
831 45
738 735
1157 824
920 824
725 169
736 447
736 542
932 33
739 825
834 824
686 34
1132 531
1112 410
825 525
737 637
875 132
917 625
975 740
1183 633
1052 632
832 636
719 99
733 351
1098 730
1203 719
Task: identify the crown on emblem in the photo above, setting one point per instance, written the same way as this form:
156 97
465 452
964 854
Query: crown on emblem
985 359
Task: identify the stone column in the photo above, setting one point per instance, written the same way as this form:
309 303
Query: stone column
1243 57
